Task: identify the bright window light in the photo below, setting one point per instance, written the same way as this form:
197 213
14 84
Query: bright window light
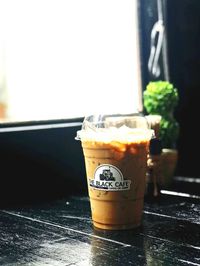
70 58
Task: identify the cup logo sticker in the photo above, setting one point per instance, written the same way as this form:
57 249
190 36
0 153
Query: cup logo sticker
109 177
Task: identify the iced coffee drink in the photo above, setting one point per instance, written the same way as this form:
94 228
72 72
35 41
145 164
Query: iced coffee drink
116 161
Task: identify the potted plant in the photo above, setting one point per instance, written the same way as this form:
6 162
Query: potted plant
161 98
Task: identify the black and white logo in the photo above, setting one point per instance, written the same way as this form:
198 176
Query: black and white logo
109 177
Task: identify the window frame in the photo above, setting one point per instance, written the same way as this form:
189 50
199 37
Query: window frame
31 172
18 140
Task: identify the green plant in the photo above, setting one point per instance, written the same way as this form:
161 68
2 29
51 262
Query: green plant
161 98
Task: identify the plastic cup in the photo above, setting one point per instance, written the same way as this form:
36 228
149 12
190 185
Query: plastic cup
154 123
115 150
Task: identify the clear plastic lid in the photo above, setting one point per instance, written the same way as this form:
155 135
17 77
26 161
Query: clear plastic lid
115 127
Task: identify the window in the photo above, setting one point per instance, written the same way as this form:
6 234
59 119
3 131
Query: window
68 58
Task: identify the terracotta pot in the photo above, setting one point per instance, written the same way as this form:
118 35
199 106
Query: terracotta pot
169 162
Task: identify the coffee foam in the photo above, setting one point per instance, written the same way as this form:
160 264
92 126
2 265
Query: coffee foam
123 134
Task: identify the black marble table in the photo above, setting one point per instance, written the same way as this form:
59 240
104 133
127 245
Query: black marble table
60 233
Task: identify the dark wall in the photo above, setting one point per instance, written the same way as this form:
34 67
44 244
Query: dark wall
182 19
184 55
40 164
